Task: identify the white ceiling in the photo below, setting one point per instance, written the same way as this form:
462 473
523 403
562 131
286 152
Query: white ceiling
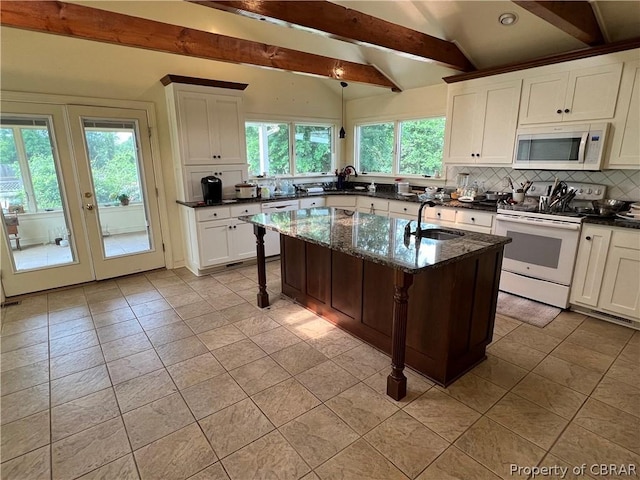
472 25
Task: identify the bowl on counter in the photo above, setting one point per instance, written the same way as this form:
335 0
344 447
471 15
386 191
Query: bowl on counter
607 207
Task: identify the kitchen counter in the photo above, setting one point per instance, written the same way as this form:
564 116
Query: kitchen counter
613 222
431 301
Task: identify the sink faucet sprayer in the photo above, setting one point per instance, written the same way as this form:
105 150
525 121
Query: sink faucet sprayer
418 232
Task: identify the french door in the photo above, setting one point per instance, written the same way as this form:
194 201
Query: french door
78 195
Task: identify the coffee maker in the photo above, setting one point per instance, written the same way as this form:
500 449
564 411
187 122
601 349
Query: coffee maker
211 190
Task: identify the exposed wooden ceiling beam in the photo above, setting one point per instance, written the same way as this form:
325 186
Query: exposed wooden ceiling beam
103 26
575 18
349 25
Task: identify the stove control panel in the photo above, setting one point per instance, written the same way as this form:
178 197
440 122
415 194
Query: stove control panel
585 191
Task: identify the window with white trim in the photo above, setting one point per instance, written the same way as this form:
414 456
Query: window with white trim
401 147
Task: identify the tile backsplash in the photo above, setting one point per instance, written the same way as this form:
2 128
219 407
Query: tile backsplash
621 184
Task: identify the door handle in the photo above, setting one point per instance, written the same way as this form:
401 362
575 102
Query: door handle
89 206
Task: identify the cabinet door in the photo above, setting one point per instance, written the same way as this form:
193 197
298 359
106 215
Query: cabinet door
243 240
213 243
230 138
463 117
625 149
542 97
230 175
621 283
499 120
271 243
590 265
592 93
197 128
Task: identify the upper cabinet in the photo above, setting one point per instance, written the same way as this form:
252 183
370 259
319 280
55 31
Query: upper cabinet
625 145
481 122
577 95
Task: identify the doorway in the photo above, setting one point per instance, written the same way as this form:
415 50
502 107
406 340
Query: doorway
78 195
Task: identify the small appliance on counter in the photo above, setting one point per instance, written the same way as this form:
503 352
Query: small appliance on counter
246 190
211 190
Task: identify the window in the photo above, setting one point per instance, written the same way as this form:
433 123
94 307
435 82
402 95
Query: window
289 148
410 147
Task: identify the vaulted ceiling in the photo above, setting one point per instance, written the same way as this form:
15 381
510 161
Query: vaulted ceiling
374 45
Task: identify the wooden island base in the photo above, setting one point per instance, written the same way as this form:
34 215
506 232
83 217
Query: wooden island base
450 310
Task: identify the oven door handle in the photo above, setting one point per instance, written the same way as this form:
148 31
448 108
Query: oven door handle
531 221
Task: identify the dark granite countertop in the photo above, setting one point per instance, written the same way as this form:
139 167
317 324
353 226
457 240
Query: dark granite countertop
375 238
613 222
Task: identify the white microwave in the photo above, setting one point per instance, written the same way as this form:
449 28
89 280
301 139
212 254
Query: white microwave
561 147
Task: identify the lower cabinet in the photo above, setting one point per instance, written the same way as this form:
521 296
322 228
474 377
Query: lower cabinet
271 238
347 202
462 218
406 210
606 278
375 206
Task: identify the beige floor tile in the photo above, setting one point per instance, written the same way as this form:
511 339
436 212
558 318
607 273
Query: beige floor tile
149 308
242 284
79 384
565 323
24 435
530 421
606 329
239 353
255 325
285 401
610 423
533 337
157 419
625 372
631 353
228 276
258 375
503 325
174 290
359 460
516 353
597 342
240 311
334 343
220 337
416 386
208 321
166 281
443 414
363 361
144 389
125 347
24 325
74 299
118 330
475 392
268 457
275 340
24 403
550 395
213 395
178 351
35 465
499 371
361 408
326 380
234 427
24 356
298 358
224 299
158 319
568 374
92 448
493 446
579 446
195 370
318 435
456 465
292 315
101 295
169 333
24 377
25 339
176 456
133 366
76 362
197 307
123 468
407 443
82 413
108 305
143 296
306 325
68 314
73 343
583 356
213 472
620 395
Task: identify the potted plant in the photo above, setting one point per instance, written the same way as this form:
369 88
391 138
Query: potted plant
124 199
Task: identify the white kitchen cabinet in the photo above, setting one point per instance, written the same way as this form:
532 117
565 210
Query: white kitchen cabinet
375 206
229 174
271 238
481 123
582 94
214 246
440 215
312 202
625 144
406 210
347 202
461 218
606 275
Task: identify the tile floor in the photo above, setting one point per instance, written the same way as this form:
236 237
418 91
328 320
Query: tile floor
170 376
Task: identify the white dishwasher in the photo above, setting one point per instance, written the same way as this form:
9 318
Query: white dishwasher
272 239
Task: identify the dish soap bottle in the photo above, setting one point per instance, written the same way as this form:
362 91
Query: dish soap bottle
372 188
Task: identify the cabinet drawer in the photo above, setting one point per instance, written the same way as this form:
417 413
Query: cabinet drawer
281 206
376 204
405 208
341 201
245 209
205 214
473 217
440 214
312 202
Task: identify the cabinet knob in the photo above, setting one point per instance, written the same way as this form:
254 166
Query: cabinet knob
473 219
477 154
215 214
566 110
473 154
405 209
234 226
438 213
587 238
559 111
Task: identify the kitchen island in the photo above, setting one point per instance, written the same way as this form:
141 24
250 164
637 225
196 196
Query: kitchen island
431 300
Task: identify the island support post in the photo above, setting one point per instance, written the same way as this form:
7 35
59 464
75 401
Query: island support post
263 296
396 381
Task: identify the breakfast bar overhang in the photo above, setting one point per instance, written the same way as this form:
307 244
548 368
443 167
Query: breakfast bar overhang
429 296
